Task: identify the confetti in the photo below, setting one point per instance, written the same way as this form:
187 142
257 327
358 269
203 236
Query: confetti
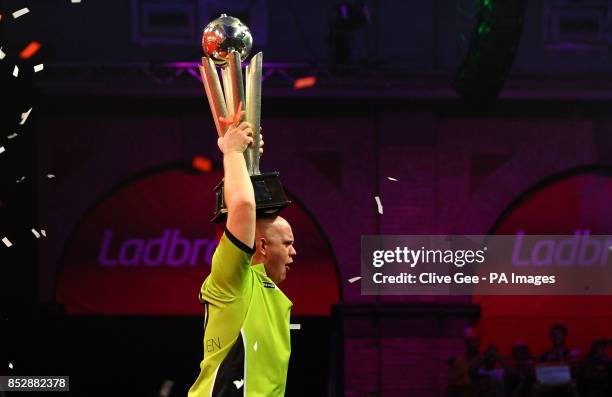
6 242
392 179
352 280
166 388
295 326
21 179
201 164
2 150
35 233
42 231
38 68
378 203
75 1
255 346
2 54
15 71
30 50
12 136
304 82
24 116
11 365
235 118
21 12
238 383
50 176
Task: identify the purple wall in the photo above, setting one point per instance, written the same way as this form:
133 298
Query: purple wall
455 175
405 36
335 144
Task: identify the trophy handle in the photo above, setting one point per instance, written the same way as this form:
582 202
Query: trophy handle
253 105
232 80
212 86
227 89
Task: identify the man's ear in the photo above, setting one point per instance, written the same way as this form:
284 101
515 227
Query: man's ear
262 245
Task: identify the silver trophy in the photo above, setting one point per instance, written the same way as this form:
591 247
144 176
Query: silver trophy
227 42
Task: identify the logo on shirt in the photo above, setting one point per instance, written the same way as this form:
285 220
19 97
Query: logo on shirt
268 284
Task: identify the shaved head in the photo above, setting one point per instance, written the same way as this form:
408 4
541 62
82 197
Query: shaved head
268 227
274 247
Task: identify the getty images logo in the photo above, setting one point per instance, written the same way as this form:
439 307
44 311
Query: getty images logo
170 250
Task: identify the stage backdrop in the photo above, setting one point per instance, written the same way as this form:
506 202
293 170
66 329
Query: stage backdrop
146 247
562 205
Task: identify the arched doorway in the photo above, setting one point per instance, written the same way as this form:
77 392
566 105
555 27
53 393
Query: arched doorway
146 247
575 200
130 276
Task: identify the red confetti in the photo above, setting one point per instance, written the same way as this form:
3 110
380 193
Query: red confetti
202 164
30 50
235 118
304 82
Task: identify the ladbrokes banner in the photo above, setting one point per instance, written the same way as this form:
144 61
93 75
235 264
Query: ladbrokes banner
577 206
147 247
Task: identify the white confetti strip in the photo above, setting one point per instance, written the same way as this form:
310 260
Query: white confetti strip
11 365
166 388
75 1
42 231
378 203
21 12
238 383
38 68
50 176
24 116
35 233
295 326
6 242
12 136
392 179
352 280
15 71
2 149
2 54
255 346
21 179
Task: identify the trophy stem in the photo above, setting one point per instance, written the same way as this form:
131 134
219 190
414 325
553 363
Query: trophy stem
236 82
212 86
227 89
253 106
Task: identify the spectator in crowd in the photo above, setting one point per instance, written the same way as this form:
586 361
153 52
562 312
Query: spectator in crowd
460 381
488 374
558 353
519 378
593 373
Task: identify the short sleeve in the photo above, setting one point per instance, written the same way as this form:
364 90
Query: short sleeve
230 266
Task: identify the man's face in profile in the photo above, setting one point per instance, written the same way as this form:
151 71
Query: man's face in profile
279 251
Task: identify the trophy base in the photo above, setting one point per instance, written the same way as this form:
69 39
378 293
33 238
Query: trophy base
270 197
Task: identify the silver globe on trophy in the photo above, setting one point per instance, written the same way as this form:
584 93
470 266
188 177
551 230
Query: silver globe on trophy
227 42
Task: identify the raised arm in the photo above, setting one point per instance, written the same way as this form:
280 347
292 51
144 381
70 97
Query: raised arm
239 194
233 254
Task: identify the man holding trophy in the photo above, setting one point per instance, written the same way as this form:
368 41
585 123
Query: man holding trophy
246 325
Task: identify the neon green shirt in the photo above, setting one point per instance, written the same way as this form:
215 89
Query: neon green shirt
246 327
